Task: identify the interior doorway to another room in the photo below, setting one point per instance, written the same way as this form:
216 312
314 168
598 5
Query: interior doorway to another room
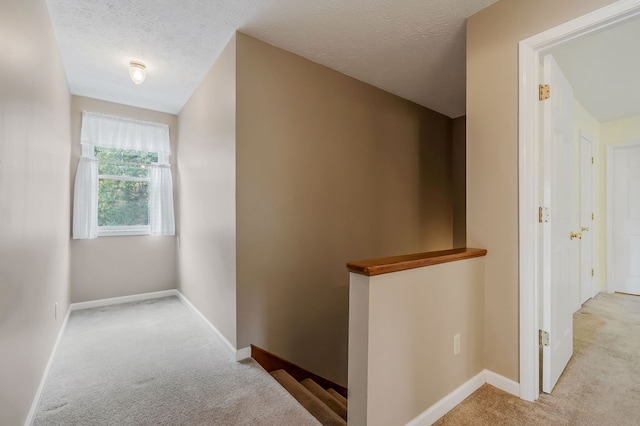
596 117
623 216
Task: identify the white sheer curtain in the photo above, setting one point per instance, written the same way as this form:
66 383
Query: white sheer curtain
85 200
122 133
161 218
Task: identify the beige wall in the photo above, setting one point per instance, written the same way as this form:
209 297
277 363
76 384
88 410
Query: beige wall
206 176
492 155
406 327
34 202
459 168
329 170
120 266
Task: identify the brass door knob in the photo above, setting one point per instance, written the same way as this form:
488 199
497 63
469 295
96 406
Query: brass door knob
585 228
575 235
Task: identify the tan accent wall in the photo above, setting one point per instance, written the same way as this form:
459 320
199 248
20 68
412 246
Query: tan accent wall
206 183
492 155
459 170
34 202
329 170
120 266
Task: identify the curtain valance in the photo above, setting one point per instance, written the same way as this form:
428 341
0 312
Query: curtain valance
123 133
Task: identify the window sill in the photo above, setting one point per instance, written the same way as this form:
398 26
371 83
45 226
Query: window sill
121 231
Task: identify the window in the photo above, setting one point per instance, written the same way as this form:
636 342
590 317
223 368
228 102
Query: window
123 190
123 184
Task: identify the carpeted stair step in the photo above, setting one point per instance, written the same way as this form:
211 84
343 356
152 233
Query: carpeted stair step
315 406
337 396
324 396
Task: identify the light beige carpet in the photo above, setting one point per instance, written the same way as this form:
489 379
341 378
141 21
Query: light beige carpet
600 386
156 363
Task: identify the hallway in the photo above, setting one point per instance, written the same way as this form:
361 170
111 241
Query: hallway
154 362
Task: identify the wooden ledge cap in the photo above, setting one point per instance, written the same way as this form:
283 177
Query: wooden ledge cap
385 265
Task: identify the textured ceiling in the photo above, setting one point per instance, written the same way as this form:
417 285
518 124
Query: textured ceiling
412 48
602 68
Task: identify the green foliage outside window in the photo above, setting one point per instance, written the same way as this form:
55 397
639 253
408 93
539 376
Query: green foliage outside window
123 187
123 203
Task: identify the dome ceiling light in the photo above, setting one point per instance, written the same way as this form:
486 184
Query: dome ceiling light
137 72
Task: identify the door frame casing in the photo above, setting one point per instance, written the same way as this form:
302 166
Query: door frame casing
529 174
611 148
585 135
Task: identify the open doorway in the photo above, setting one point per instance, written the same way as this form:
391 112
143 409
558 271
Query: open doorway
623 208
535 245
606 90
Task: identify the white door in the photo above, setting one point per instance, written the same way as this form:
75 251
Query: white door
586 217
626 220
560 248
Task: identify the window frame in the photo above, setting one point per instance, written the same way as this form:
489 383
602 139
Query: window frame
123 230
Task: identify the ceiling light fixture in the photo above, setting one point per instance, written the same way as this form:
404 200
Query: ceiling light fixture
137 72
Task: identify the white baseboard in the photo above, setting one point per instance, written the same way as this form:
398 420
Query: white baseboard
449 402
45 373
243 353
123 299
235 354
502 383
446 404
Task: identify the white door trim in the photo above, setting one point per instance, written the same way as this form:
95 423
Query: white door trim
594 233
610 155
529 174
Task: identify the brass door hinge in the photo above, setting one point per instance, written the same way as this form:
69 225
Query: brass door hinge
593 272
592 161
544 92
593 216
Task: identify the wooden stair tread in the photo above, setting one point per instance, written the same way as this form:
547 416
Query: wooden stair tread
324 396
308 400
338 396
270 362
